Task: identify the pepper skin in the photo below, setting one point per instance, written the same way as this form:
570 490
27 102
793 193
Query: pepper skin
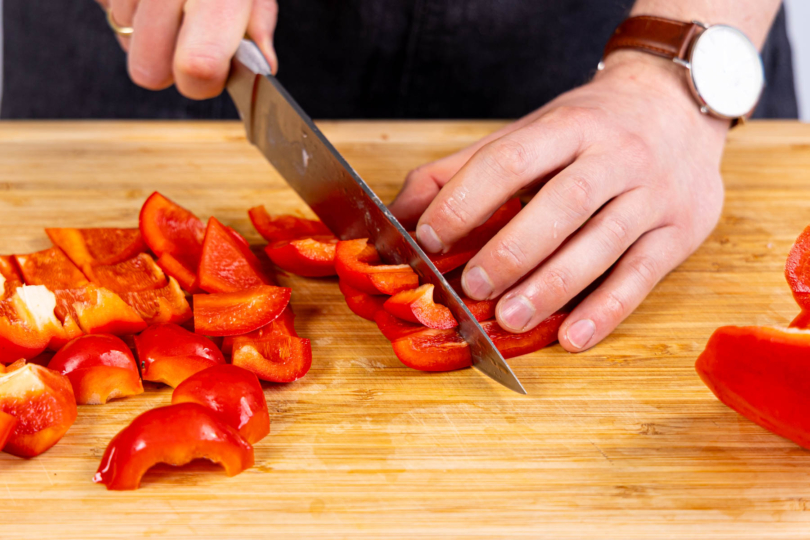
98 311
169 228
277 358
7 425
227 263
137 274
362 304
10 278
100 368
358 264
170 354
177 435
284 325
42 402
417 306
94 247
234 394
307 257
394 328
166 305
185 277
28 323
51 268
237 313
285 227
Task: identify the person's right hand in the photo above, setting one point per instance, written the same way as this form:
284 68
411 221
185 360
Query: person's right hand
190 43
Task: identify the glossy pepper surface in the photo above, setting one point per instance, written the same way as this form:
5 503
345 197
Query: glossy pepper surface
170 354
237 313
359 265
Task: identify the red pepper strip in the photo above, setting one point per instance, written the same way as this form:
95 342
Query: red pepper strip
170 354
362 304
511 345
797 269
166 305
227 264
277 358
92 247
10 278
802 320
98 311
169 228
133 275
7 425
359 265
417 306
234 394
307 257
51 268
237 313
100 368
177 434
762 373
284 325
28 323
285 227
184 276
394 328
42 402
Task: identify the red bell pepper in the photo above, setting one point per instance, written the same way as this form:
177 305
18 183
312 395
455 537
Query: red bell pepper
797 269
285 227
166 305
511 345
417 306
169 228
137 274
170 354
7 425
359 265
362 304
802 320
177 434
93 247
98 311
10 278
283 325
394 328
100 368
50 268
763 374
184 276
227 263
237 313
307 257
234 394
42 402
28 323
275 358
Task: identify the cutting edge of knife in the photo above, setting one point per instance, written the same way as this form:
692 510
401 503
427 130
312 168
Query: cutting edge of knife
252 59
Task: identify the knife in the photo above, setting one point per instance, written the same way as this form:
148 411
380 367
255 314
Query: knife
309 163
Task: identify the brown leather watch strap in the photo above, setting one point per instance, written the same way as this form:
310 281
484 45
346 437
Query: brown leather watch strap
656 35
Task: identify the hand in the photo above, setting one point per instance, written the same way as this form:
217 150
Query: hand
629 170
190 43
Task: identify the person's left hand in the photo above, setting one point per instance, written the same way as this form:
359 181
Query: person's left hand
631 174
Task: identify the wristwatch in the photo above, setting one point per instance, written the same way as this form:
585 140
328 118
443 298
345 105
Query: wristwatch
725 69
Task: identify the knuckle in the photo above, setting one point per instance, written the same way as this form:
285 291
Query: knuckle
646 270
199 66
555 283
147 78
510 255
454 211
576 198
614 307
638 152
617 232
507 157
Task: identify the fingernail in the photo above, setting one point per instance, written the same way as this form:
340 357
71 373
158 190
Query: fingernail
429 239
517 312
580 333
476 283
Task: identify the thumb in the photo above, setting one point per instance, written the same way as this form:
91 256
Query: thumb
262 26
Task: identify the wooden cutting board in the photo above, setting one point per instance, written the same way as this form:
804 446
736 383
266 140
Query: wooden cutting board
622 441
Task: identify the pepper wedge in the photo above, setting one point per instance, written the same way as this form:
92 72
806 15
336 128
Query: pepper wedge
170 354
307 257
359 265
237 313
285 227
169 228
227 263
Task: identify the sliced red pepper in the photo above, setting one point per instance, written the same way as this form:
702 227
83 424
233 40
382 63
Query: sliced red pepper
166 305
137 274
98 311
169 228
186 277
285 227
362 304
42 402
170 354
92 247
511 345
7 425
177 435
237 313
235 394
802 320
307 257
394 328
227 264
763 374
28 323
277 358
10 278
50 268
797 269
62 336
417 306
359 265
100 368
283 325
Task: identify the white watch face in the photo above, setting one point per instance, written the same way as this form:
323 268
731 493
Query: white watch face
727 71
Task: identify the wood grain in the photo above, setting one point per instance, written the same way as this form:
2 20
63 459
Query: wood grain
622 441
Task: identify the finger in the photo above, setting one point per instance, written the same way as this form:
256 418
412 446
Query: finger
209 36
262 26
151 48
493 174
123 13
562 206
578 263
655 254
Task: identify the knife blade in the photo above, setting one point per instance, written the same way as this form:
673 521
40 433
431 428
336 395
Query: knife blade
291 142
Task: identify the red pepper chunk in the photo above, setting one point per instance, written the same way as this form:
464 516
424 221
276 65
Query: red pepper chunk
237 313
227 263
7 425
362 304
417 306
511 345
307 257
283 325
42 402
93 247
285 227
802 320
100 368
797 269
98 311
10 278
170 354
763 374
166 305
137 274
28 323
359 265
394 328
186 277
235 394
51 268
275 358
177 435
169 228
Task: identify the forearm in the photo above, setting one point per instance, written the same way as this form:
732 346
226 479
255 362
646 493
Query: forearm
754 17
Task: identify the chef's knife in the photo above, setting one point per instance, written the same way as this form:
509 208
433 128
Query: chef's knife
309 163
